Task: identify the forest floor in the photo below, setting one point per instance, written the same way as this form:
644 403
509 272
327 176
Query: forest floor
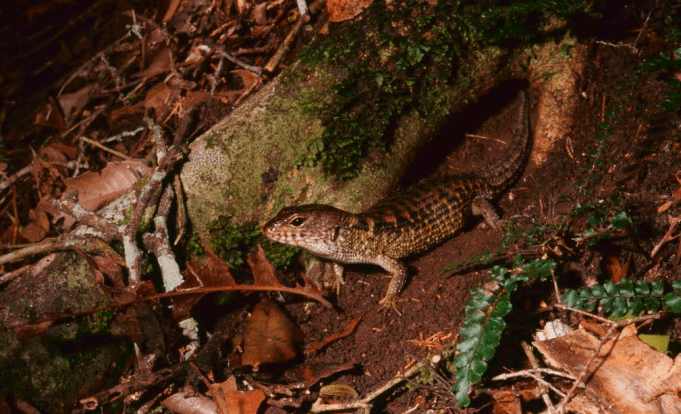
622 156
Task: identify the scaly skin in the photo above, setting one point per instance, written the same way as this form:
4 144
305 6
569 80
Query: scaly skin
408 222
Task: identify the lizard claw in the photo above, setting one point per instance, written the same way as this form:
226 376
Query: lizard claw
389 303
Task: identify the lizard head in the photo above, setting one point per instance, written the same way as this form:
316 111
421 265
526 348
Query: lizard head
313 227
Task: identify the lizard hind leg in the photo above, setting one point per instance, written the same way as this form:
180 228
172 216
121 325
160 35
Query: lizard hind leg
482 207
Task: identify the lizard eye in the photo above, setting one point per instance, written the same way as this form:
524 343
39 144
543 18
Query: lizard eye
298 221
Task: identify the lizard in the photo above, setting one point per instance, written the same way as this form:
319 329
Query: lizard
408 222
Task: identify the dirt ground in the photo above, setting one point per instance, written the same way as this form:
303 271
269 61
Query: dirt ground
638 165
641 164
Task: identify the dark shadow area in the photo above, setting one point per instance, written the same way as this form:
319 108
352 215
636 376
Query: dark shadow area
453 133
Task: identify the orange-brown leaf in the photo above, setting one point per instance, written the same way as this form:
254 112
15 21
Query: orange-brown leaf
270 336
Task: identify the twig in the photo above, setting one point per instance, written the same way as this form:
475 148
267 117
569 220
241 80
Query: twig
531 374
486 138
365 403
221 50
286 44
119 137
181 219
159 244
103 147
673 222
549 371
9 276
14 178
66 242
542 384
581 312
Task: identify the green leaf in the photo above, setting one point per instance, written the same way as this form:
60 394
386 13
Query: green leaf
606 305
676 285
636 306
460 389
572 299
657 287
486 352
503 306
496 325
626 287
641 287
672 303
598 291
619 307
620 220
462 360
652 304
610 288
478 367
469 332
510 285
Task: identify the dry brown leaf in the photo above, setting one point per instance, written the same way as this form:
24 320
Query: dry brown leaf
614 269
248 78
116 116
215 273
180 402
157 97
506 401
333 337
232 401
630 376
95 189
306 375
50 115
159 65
37 228
263 273
270 337
340 10
259 13
73 103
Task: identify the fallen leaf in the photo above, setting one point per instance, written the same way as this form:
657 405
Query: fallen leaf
340 10
180 402
307 375
215 273
628 375
73 103
95 189
232 401
270 336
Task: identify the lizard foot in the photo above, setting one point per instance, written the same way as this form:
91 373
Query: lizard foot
389 303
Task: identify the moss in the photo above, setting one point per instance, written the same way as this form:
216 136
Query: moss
53 374
232 243
404 64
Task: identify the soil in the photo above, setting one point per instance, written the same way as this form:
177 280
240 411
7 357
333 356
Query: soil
639 165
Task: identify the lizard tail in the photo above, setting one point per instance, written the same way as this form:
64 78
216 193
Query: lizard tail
502 174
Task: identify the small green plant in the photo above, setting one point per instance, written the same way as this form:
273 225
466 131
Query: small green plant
537 234
600 227
233 242
625 297
482 258
484 321
669 63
